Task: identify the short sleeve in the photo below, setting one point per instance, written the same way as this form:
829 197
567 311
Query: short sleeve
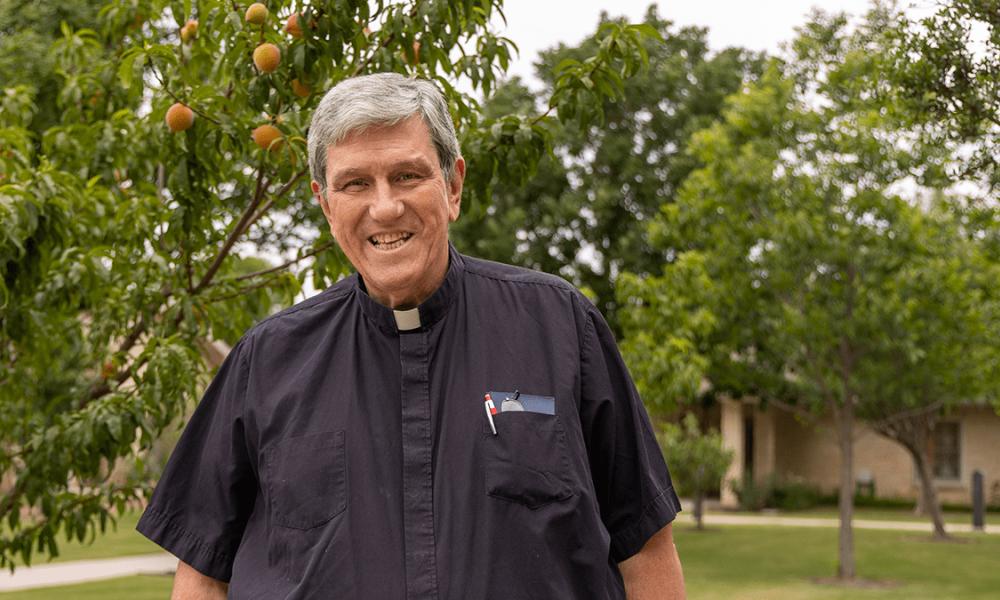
202 502
633 485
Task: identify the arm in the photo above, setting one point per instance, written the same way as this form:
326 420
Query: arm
189 584
655 572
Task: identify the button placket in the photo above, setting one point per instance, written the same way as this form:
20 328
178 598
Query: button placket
418 482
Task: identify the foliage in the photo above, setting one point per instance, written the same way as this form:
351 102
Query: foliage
27 30
787 494
947 67
753 495
697 460
120 539
822 267
664 318
123 244
941 311
583 214
796 494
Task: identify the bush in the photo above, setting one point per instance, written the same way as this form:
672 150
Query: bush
862 501
753 495
698 460
772 492
796 494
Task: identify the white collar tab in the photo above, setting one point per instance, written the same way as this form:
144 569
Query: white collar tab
407 320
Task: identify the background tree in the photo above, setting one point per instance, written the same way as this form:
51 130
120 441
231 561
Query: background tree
947 67
698 460
127 223
798 214
583 215
941 320
27 30
665 319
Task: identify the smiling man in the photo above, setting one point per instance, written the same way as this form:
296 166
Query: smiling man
389 204
433 426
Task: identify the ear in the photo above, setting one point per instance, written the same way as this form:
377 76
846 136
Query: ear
455 189
323 203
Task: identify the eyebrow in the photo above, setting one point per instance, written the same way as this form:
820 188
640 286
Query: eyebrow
403 165
345 173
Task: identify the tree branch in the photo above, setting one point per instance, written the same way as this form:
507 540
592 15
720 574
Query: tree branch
913 413
280 267
234 235
194 109
242 291
382 44
281 192
798 411
103 387
11 498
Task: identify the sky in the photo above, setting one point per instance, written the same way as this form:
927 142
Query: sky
536 25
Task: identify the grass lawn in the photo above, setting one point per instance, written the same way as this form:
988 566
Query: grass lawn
122 540
734 562
140 587
782 563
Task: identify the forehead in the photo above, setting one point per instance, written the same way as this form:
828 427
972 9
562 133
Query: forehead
407 140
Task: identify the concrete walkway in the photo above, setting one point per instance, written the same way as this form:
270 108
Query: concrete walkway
81 571
94 570
775 520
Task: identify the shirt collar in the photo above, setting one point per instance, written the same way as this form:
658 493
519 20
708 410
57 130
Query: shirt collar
427 313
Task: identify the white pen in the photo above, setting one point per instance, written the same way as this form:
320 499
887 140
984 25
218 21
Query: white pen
491 410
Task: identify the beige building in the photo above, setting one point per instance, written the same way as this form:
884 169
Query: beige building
771 442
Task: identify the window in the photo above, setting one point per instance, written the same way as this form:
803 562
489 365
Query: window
946 452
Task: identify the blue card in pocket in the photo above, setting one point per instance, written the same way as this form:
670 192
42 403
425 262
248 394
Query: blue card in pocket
514 402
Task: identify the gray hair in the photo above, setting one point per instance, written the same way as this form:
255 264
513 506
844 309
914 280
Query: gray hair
380 99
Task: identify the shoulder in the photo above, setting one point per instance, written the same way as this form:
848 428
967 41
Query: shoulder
301 316
500 282
512 276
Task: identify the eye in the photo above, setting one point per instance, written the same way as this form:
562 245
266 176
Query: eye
354 184
408 176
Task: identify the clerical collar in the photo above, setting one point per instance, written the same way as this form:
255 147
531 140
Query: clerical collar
427 313
407 320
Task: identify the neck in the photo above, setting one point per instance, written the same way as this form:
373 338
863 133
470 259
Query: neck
406 299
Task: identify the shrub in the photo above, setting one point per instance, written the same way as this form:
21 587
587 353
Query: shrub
753 495
796 494
773 492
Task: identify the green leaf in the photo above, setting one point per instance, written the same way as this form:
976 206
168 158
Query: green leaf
126 67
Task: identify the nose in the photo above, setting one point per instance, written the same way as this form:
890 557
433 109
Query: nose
385 206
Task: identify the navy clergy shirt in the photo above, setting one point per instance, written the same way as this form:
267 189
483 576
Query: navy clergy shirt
344 450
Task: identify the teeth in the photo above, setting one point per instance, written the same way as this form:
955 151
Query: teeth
389 241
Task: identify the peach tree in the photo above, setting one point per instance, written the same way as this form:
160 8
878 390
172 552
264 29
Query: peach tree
163 203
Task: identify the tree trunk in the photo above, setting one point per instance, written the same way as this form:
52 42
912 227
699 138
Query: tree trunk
913 433
845 435
699 503
920 506
928 494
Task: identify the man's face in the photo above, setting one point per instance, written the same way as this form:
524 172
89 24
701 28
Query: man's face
389 207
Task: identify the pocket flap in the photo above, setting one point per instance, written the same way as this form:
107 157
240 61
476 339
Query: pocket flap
524 485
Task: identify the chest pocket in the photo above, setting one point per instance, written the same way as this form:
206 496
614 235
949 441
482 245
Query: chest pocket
526 462
307 479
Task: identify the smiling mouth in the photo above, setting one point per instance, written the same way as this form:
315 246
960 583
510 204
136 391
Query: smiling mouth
389 241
